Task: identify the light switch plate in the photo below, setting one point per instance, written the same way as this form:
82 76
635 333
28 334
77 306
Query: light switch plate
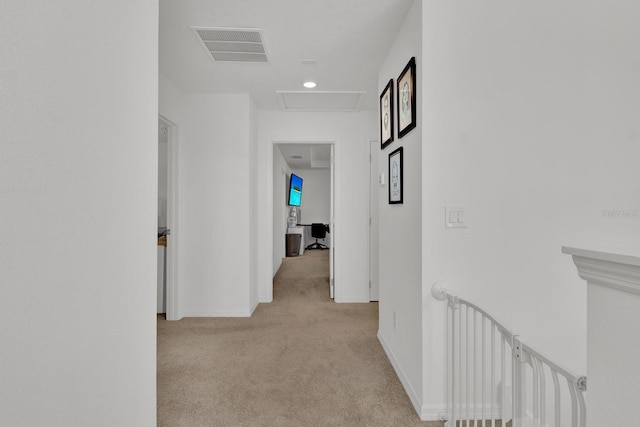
454 217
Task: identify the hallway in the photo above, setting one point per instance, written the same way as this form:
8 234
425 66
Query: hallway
302 360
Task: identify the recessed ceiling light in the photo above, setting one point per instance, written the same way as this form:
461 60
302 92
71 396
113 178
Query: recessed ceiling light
309 85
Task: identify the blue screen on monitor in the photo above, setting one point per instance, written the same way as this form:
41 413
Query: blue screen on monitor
295 190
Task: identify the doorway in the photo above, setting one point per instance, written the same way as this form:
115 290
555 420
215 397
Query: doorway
167 296
313 162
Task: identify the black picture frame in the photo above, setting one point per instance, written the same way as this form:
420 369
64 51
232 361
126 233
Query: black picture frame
386 115
406 98
396 183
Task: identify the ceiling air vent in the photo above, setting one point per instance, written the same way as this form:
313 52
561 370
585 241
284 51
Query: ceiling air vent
232 44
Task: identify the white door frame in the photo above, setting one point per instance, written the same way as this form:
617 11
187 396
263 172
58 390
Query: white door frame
266 282
374 171
172 295
332 224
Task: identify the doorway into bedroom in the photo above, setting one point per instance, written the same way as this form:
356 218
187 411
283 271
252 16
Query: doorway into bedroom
303 202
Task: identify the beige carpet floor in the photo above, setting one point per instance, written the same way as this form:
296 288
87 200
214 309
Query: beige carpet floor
302 360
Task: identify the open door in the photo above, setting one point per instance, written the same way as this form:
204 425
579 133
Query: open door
163 179
332 225
168 288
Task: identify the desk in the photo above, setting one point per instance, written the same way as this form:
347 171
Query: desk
300 231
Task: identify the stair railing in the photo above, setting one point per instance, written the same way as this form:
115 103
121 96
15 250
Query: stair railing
494 379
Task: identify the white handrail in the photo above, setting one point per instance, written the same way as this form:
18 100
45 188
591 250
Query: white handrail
480 372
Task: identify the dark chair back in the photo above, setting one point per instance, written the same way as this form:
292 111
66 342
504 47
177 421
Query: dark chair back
319 231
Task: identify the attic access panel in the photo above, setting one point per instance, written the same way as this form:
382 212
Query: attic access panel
320 100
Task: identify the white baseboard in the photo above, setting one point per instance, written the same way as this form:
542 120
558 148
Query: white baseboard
425 412
433 412
352 300
265 299
413 396
217 313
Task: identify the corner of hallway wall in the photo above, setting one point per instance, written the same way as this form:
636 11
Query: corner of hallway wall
400 225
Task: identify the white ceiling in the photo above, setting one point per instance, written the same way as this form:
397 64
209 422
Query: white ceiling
348 38
302 156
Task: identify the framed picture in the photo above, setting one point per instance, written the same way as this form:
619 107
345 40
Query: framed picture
386 115
407 98
395 176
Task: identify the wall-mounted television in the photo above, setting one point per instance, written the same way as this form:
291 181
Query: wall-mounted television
295 190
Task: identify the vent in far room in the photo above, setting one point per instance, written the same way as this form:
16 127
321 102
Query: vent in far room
232 44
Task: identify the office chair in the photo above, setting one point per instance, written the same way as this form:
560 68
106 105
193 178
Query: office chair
319 231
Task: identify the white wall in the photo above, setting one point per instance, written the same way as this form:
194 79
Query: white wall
78 195
281 173
316 195
215 244
171 104
613 345
613 372
400 225
215 208
316 200
351 133
530 122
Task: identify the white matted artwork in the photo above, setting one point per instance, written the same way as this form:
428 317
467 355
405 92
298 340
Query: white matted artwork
407 98
386 115
395 177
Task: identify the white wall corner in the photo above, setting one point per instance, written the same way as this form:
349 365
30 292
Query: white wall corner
254 305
